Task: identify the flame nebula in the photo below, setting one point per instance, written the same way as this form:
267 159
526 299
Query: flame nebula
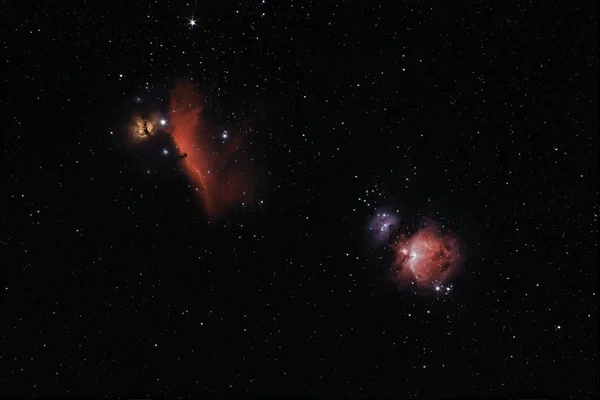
218 174
141 128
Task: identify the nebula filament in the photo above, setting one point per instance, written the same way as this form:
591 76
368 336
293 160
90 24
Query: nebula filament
217 170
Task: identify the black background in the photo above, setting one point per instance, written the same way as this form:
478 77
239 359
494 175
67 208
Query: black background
481 116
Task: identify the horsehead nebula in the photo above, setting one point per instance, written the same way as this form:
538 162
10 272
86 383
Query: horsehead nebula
429 258
215 168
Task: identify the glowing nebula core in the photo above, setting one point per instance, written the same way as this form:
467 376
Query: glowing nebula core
141 128
428 258
217 170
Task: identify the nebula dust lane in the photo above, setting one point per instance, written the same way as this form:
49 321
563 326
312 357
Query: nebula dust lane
216 170
429 258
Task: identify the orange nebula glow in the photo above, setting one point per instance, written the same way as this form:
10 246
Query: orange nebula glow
218 174
141 128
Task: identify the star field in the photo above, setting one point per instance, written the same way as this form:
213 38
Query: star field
122 276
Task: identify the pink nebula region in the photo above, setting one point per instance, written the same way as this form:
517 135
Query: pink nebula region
429 258
220 175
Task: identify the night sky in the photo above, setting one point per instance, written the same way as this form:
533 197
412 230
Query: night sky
336 144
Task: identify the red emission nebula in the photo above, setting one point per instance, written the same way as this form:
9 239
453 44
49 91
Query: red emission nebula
428 258
217 173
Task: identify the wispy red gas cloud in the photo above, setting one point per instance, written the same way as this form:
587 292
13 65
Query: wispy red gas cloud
429 258
215 167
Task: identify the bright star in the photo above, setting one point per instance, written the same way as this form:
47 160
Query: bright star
224 135
163 122
165 151
192 22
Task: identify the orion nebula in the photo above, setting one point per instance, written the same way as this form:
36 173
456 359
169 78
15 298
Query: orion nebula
428 258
